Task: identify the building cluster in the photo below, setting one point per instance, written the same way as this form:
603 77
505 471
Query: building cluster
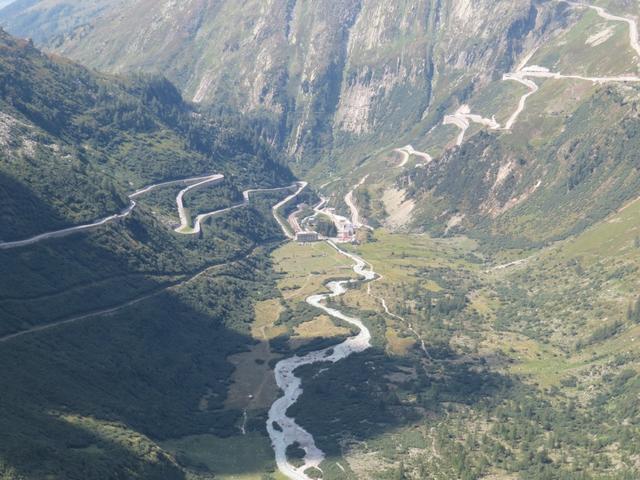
346 230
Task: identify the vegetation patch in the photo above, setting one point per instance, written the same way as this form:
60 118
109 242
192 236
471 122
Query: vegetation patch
246 457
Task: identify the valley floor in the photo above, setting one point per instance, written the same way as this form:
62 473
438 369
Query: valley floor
478 366
502 374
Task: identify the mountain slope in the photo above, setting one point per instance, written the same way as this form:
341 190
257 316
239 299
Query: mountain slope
341 86
542 192
81 142
324 75
111 338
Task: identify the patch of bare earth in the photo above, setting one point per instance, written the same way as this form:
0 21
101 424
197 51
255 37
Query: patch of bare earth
366 464
398 208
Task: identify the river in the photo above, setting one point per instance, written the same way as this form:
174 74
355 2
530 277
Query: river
283 430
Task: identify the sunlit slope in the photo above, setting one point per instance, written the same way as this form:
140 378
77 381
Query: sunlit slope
544 152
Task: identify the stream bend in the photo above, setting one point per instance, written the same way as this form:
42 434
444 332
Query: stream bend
283 430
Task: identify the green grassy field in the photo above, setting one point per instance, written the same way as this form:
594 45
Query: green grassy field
246 457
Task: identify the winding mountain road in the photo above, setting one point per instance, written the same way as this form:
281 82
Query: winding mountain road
185 228
125 213
198 181
356 220
463 116
246 200
407 151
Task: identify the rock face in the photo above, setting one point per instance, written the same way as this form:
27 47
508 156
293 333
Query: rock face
322 73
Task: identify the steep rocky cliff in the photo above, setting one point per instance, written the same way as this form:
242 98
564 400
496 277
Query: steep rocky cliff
323 73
